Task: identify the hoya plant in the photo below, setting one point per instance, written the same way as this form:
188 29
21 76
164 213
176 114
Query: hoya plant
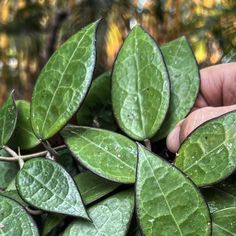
104 179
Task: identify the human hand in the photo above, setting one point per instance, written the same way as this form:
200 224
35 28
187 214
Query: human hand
217 96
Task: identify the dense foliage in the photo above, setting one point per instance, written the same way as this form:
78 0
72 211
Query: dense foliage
103 180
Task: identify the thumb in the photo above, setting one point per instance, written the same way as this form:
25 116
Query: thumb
195 119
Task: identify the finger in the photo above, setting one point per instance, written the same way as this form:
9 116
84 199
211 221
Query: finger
195 119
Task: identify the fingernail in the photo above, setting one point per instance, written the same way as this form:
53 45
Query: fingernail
172 140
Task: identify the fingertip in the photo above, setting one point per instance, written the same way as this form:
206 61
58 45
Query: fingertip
172 141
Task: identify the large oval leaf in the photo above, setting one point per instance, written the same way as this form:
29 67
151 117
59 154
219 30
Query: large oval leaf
44 184
8 117
63 83
97 109
93 187
23 135
222 195
109 217
224 222
140 86
167 201
208 155
14 219
184 78
105 153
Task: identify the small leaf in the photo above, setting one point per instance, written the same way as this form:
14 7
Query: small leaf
208 155
184 78
224 222
167 201
52 220
222 195
23 135
109 217
8 117
44 184
15 220
97 108
140 86
63 83
93 187
105 153
8 170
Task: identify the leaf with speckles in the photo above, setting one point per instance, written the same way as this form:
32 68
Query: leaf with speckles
8 117
44 184
15 220
96 109
184 77
23 135
208 155
140 86
222 195
224 222
63 83
108 154
109 217
167 202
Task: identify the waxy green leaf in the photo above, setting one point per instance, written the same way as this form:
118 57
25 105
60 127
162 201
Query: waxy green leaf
14 219
109 217
167 202
140 86
44 184
13 194
93 187
23 135
8 170
104 152
184 78
208 155
63 83
8 117
222 195
224 222
97 109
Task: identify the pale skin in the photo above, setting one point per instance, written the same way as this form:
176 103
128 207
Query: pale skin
217 96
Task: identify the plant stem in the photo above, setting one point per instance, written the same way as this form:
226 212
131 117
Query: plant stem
28 156
48 147
148 144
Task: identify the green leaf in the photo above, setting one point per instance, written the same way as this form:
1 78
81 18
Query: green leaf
52 220
109 217
13 194
8 117
105 153
167 202
15 220
23 135
140 86
93 187
97 108
44 184
222 195
8 170
208 155
63 83
184 78
224 222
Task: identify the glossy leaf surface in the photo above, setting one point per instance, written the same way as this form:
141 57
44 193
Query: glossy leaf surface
93 187
167 201
63 83
23 135
96 109
8 117
208 155
44 184
109 217
140 86
184 78
15 220
105 153
224 222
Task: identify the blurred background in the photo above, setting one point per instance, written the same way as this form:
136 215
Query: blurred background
30 31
